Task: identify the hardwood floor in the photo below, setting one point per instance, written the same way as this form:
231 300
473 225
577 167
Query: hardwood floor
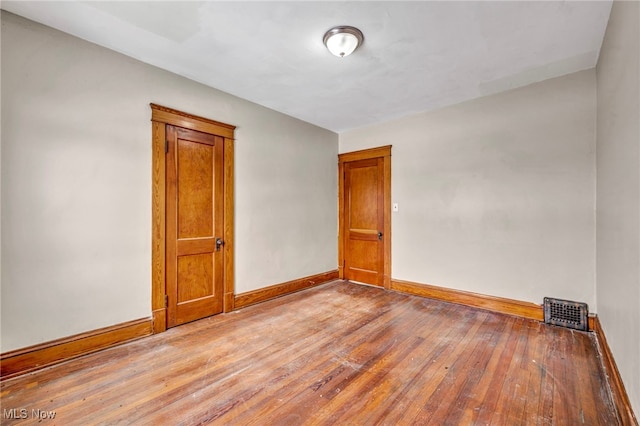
336 354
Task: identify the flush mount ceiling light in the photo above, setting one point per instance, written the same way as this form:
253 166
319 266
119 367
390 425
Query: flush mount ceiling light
343 40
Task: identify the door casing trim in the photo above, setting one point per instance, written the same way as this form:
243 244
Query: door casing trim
160 117
383 152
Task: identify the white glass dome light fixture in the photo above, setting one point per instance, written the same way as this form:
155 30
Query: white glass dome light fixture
343 40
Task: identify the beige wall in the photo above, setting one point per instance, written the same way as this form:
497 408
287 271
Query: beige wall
496 195
618 192
76 185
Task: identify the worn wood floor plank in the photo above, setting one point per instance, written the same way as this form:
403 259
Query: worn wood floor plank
339 353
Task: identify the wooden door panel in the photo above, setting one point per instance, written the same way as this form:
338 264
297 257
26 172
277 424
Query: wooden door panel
195 277
364 254
363 202
194 220
362 265
195 246
195 189
197 309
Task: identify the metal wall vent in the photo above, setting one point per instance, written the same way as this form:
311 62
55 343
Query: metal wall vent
566 313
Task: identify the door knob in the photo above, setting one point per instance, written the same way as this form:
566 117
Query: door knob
380 236
219 243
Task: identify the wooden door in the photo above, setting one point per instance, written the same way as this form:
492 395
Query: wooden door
365 222
194 213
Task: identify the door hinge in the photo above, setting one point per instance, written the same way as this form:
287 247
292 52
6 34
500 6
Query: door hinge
166 301
166 146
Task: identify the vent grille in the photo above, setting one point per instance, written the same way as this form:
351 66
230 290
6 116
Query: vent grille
566 313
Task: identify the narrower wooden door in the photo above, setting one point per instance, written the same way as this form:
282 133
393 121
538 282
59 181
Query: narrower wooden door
194 218
364 221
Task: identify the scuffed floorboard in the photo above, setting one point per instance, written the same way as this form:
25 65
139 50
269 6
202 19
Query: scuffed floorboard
337 354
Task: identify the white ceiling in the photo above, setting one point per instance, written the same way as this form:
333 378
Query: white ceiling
416 55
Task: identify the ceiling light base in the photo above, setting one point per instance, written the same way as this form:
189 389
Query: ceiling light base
343 40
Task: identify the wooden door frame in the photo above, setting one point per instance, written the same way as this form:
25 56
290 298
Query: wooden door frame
160 117
383 152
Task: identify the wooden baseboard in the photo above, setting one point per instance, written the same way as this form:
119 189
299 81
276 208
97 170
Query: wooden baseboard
491 303
592 321
619 393
271 292
35 357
